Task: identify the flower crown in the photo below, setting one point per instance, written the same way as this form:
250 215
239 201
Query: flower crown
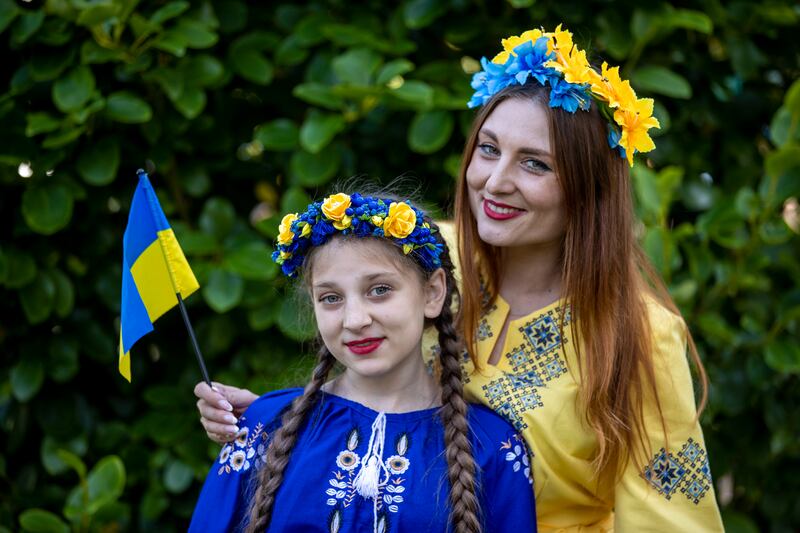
552 58
362 216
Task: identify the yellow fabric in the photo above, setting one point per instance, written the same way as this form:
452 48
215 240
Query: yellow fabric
535 385
154 275
124 362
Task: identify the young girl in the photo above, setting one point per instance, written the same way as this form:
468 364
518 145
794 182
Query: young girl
381 447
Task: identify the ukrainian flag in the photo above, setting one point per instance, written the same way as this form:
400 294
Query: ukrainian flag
154 270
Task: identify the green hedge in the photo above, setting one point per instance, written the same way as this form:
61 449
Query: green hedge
242 111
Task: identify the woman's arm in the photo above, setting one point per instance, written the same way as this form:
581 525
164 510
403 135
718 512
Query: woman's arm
671 489
220 409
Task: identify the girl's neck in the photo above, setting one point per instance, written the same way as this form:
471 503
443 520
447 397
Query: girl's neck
401 391
530 277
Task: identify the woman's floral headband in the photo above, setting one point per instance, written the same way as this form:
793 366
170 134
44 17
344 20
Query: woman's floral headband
362 216
552 58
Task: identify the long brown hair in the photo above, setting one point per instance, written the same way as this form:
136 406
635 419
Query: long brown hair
461 469
605 278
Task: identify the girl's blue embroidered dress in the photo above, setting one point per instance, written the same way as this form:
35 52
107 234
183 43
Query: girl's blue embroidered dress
317 493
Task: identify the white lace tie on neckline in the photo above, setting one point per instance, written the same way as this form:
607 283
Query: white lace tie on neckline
367 482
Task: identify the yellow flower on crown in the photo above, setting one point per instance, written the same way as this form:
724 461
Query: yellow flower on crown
400 221
512 42
285 234
635 121
573 64
335 206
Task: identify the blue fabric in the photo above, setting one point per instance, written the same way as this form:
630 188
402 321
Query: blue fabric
317 487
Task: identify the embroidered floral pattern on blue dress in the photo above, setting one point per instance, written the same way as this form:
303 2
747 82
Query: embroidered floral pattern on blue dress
686 472
236 456
519 456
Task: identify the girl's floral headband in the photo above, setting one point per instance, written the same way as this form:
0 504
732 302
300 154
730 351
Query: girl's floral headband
552 59
362 216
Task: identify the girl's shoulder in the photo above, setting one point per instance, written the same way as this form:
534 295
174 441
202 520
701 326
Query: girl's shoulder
269 406
489 430
498 448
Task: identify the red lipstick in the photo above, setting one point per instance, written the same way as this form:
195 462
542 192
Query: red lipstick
364 346
489 207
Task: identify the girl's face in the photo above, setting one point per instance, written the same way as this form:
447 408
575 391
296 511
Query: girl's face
514 193
371 307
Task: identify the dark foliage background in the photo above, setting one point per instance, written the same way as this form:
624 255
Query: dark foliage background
246 110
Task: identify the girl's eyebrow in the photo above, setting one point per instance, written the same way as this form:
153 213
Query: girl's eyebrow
370 277
524 150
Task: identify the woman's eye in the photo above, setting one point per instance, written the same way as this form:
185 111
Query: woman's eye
380 290
535 165
488 149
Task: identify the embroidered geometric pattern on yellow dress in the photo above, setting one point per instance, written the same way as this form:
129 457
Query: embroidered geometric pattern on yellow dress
686 472
538 360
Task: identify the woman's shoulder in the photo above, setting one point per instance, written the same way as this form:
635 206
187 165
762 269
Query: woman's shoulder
268 406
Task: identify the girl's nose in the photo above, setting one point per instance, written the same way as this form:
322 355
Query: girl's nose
356 316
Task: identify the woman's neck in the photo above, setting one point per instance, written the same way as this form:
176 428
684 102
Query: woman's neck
530 277
403 390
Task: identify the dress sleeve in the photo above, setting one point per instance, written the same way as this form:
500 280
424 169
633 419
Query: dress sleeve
506 486
671 489
224 501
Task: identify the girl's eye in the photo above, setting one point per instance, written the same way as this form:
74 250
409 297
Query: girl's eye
380 290
329 299
535 165
488 149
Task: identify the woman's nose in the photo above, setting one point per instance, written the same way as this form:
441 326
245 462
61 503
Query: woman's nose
500 179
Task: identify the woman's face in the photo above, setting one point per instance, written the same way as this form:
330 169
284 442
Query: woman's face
514 193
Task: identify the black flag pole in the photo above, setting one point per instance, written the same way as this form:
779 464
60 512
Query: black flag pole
196 346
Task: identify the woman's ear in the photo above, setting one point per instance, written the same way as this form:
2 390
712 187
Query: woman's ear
435 292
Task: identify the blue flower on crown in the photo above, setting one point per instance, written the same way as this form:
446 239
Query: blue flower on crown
399 222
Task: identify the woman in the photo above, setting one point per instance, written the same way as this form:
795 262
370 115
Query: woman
575 340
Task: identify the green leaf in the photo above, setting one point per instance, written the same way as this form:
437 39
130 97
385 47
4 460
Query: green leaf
72 460
294 200
177 476
319 129
417 93
169 11
312 170
217 217
41 521
20 269
71 92
26 25
290 52
280 134
64 299
691 20
62 137
430 131
98 163
252 66
191 102
202 70
296 319
106 482
662 81
96 13
38 298
26 378
783 355
47 67
420 13
397 67
47 207
40 123
223 291
356 66
62 363
92 53
195 33
8 12
318 94
251 261
126 107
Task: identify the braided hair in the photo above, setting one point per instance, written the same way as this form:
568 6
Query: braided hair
270 476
